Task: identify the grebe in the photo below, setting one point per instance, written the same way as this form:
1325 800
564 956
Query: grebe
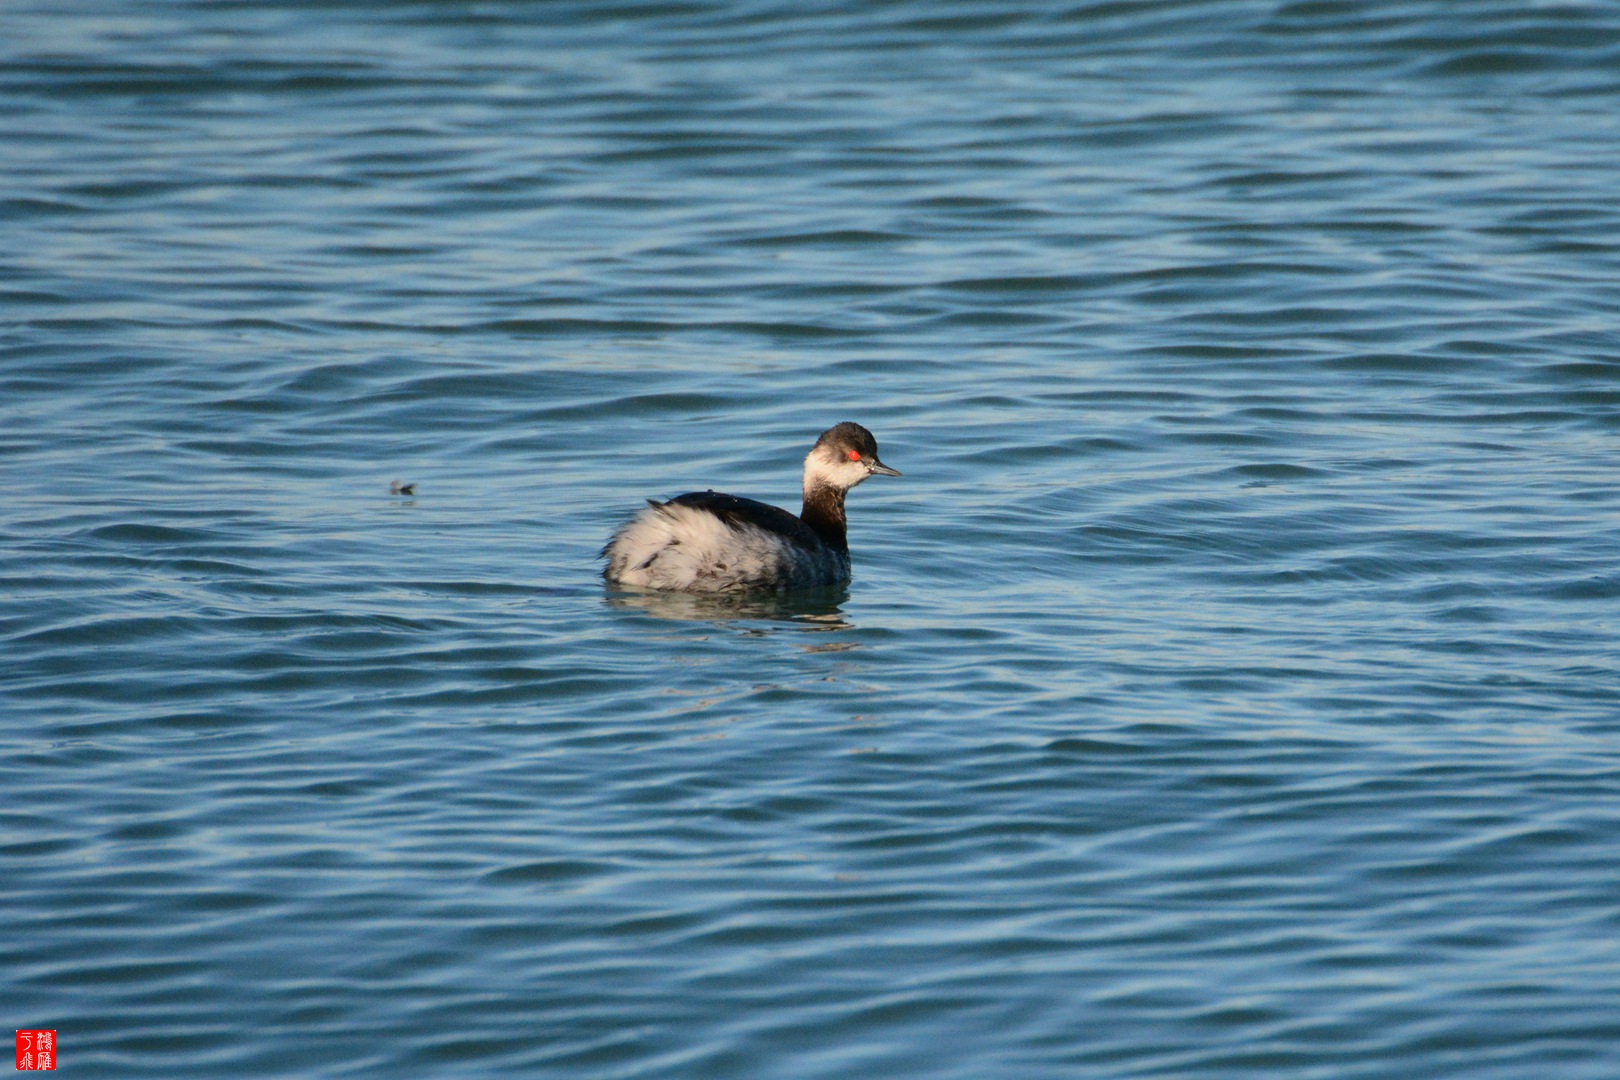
708 542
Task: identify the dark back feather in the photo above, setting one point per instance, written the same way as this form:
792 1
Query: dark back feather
735 510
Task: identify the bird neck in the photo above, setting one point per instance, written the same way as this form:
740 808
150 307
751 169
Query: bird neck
824 513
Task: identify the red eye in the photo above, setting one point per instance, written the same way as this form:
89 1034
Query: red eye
854 455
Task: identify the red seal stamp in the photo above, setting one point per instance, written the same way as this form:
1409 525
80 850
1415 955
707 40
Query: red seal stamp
36 1049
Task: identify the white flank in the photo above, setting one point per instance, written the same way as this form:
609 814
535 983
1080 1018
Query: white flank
670 546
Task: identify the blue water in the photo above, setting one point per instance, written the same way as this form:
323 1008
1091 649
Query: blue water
1229 689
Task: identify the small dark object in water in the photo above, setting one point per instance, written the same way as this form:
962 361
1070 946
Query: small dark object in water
397 488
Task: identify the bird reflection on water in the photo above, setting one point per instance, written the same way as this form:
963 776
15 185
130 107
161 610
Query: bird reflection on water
816 609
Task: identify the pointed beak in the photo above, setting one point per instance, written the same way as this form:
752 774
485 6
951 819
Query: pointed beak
876 466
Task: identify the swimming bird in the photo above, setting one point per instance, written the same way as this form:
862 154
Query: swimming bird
706 541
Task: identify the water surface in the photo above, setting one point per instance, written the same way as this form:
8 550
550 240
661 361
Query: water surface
1228 689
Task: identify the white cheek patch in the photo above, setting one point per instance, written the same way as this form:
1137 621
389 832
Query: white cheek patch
822 469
